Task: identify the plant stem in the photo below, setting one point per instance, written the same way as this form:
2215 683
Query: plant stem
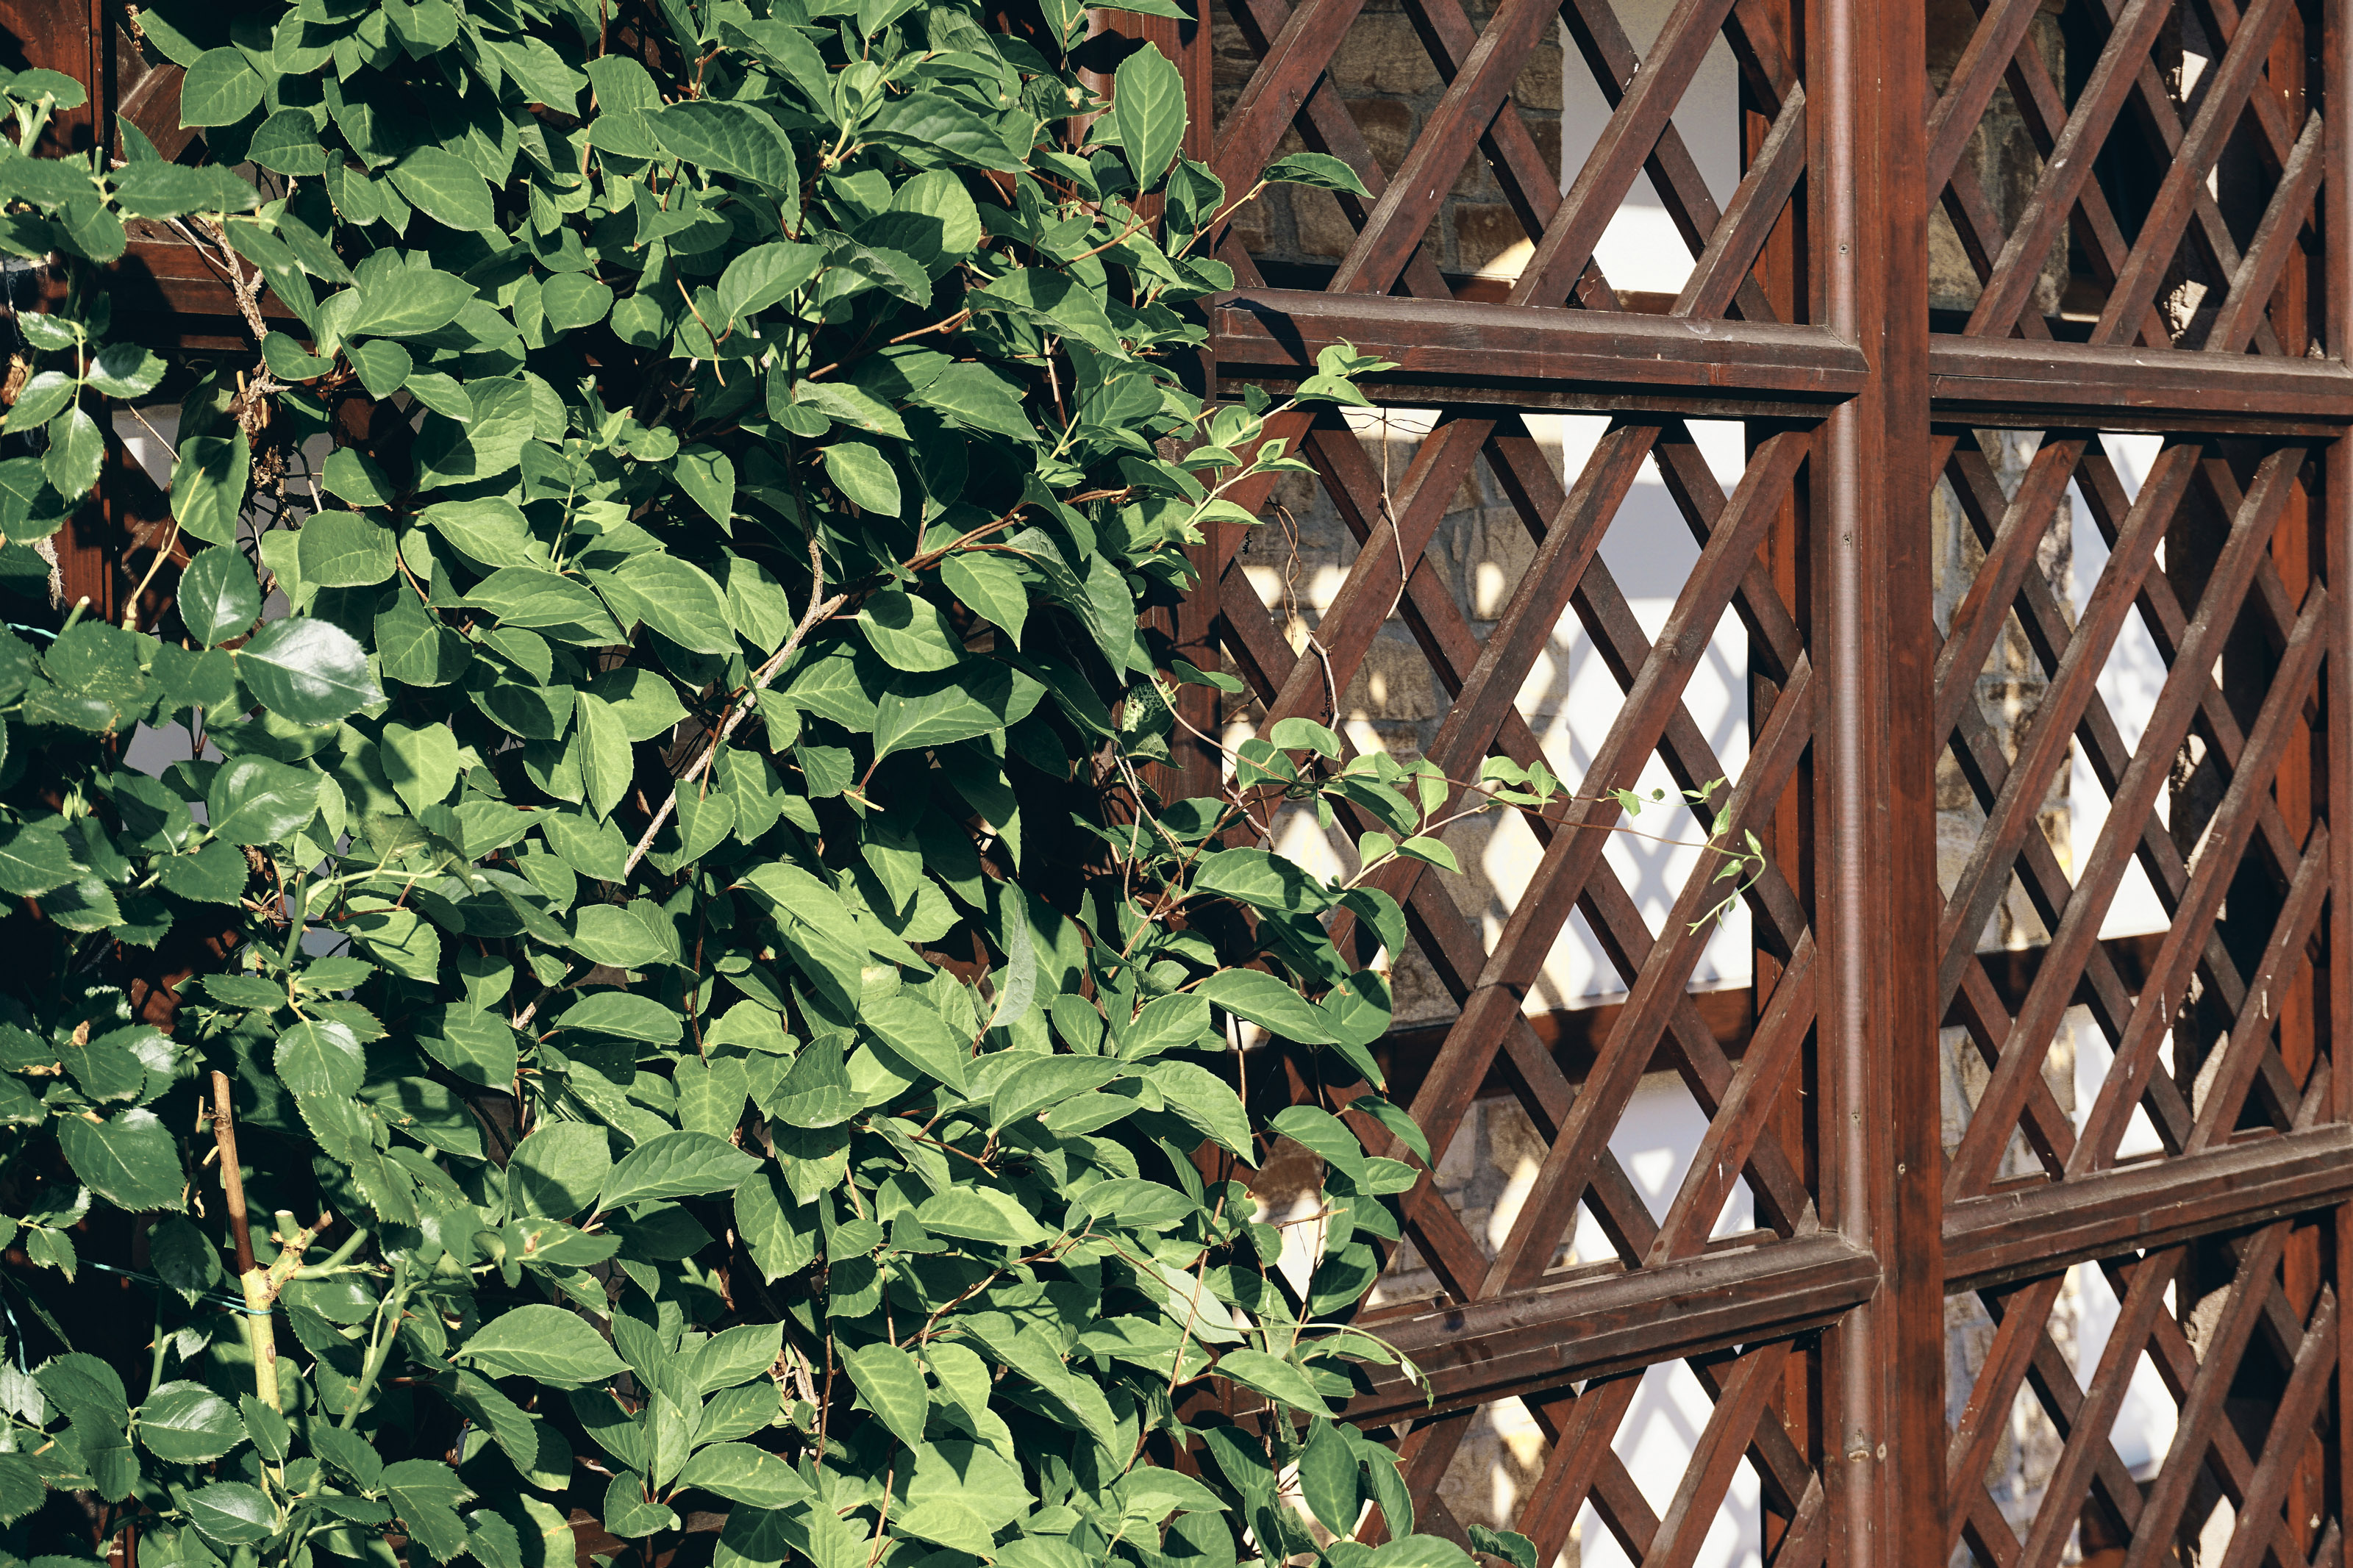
381 1337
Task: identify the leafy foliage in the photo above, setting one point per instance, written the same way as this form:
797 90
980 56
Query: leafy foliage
696 959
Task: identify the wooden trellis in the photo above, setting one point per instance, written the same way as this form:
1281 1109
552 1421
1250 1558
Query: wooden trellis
1819 1337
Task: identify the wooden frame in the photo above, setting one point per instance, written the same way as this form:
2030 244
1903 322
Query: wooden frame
1821 1337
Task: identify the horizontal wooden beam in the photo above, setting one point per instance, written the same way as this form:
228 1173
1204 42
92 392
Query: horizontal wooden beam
1614 1322
170 297
1608 1320
1465 351
2019 382
2040 1229
1471 352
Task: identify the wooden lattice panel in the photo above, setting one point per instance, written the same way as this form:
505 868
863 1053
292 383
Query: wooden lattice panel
2242 1334
2136 232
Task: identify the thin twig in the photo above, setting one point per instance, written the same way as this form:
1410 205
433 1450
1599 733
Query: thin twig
819 609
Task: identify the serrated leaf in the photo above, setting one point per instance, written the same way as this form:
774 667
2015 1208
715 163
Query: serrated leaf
307 671
188 1424
232 1513
676 1165
220 89
546 1344
321 1057
253 800
130 1159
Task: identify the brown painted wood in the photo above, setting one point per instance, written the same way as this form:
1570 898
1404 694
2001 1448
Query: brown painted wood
1620 1320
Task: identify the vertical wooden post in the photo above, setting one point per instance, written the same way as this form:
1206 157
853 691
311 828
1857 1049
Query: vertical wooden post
2333 323
1874 642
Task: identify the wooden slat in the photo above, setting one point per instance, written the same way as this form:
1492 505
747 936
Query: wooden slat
1548 1338
1508 354
2036 1229
2015 383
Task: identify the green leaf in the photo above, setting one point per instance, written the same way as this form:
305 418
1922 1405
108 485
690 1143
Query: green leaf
43 396
546 1344
384 368
1203 1100
529 598
220 89
478 1046
917 1035
1320 170
273 1437
1509 1545
307 671
208 481
401 939
572 300
972 394
978 697
321 1057
909 631
816 1092
765 276
601 747
991 585
288 143
125 370
218 597
894 1388
232 1513
676 1165
641 701
741 1473
818 932
1049 1080
77 446
959 1494
708 476
558 1170
188 1424
981 1214
863 478
490 531
421 763
1148 107
34 858
344 549
253 800
159 189
681 602
1056 300
446 189
408 303
1277 1379
628 1017
1267 1002
130 1159
628 1512
728 138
